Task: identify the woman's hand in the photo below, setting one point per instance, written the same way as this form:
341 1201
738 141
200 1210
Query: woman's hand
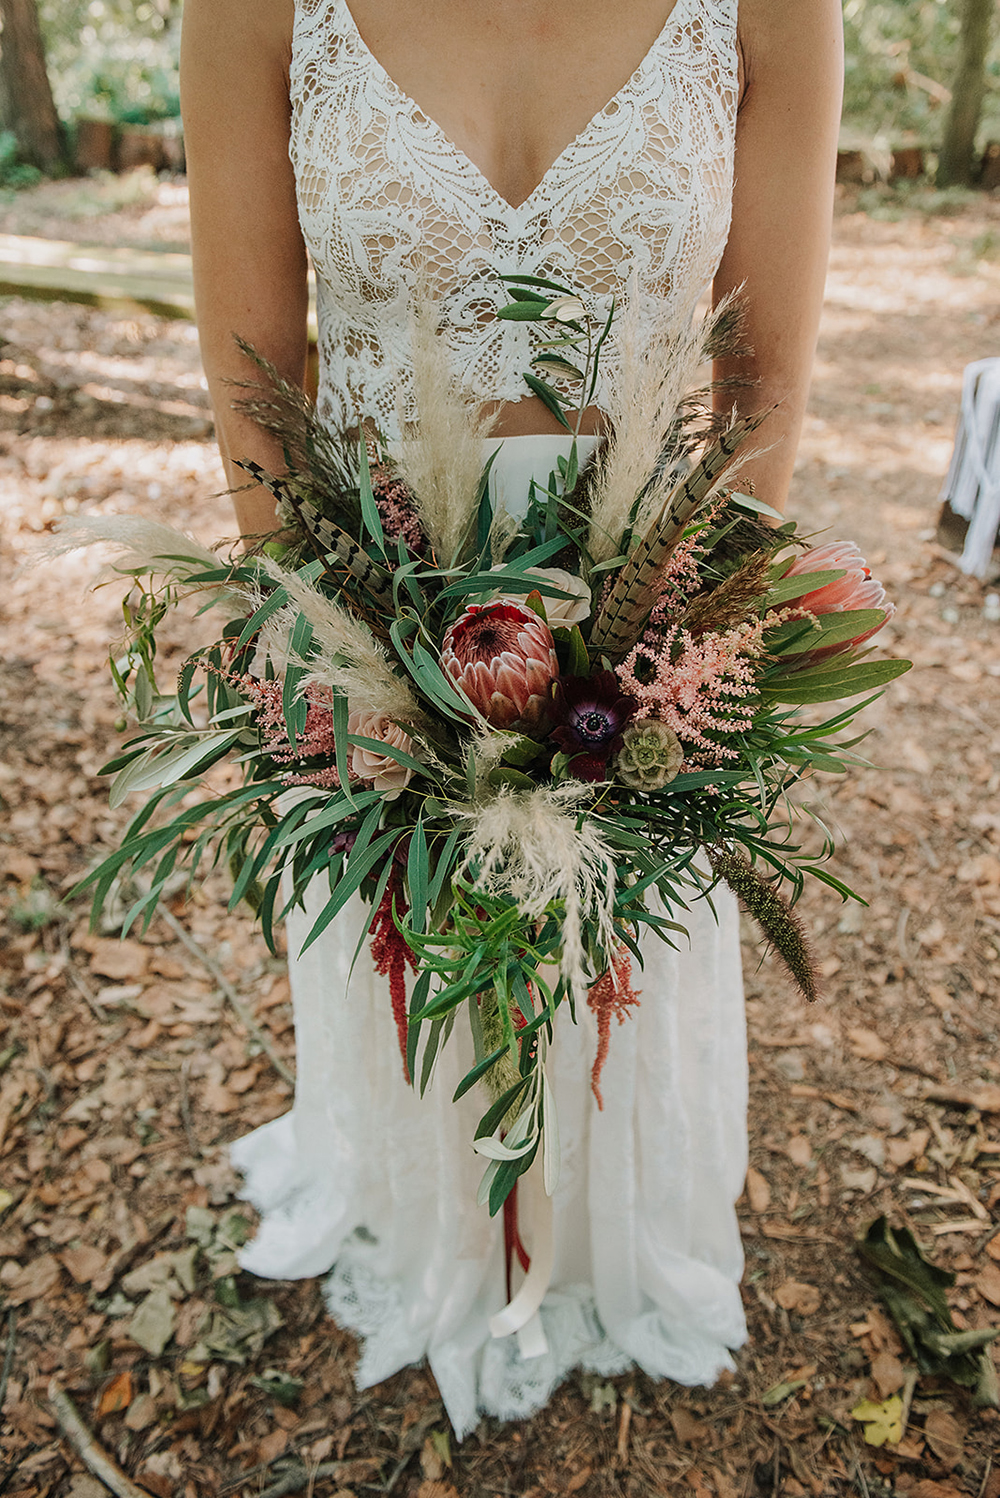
786 152
249 258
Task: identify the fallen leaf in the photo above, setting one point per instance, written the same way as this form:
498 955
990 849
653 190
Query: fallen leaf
83 1263
887 1371
993 1247
688 1429
34 1281
437 1490
153 1324
119 959
82 1485
987 1282
142 1413
883 1423
792 1295
866 1045
905 1151
758 1191
577 1481
944 1436
799 1150
272 1446
115 1396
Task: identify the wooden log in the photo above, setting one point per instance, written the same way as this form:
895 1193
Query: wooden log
95 144
989 171
907 164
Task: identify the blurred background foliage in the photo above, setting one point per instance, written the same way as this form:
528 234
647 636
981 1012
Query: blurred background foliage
113 59
117 59
901 55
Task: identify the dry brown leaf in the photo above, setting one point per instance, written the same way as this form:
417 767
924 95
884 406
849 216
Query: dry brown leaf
944 1436
688 1429
437 1490
34 1280
84 1262
927 1488
993 1247
142 1413
987 1282
799 1150
111 958
887 1371
758 1191
866 1045
115 1396
905 1151
577 1481
793 1295
272 1445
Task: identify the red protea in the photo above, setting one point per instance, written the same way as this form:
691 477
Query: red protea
857 589
502 657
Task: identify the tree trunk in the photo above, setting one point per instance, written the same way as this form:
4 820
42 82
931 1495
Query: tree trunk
955 166
26 105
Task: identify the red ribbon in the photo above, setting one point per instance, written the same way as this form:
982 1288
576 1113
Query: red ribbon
512 1242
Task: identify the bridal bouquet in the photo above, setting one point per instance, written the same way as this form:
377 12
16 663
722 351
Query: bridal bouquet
525 742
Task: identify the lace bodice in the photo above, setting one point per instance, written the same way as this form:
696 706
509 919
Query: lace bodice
639 200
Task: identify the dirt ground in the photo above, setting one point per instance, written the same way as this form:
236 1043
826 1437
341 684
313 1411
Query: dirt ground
125 1069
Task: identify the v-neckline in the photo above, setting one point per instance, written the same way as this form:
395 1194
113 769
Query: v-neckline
552 169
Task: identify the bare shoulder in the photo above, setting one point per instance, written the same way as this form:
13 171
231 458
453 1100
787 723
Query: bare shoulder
240 28
780 38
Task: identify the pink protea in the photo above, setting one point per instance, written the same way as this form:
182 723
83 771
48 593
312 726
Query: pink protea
502 657
857 589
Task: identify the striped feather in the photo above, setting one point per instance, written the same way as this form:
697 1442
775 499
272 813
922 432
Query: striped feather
330 540
637 586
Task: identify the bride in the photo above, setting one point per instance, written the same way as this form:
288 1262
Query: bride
653 147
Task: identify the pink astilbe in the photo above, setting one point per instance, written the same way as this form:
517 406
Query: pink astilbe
700 688
396 510
611 994
316 741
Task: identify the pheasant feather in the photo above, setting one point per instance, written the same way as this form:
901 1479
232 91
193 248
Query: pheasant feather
627 606
331 540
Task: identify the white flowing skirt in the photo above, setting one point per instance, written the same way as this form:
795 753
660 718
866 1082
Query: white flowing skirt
368 1181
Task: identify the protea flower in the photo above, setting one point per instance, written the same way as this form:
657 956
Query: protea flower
857 589
502 657
592 712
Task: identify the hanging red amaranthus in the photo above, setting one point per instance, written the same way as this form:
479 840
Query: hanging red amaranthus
611 994
390 954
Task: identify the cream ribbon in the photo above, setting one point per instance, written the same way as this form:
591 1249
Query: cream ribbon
520 1314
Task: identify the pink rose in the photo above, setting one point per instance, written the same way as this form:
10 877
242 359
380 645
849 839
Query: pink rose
381 771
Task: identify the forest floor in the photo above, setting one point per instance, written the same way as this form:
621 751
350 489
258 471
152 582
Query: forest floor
125 1070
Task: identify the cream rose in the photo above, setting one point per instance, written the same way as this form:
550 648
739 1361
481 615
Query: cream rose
561 613
382 771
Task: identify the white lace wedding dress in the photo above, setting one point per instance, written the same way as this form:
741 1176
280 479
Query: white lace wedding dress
363 1178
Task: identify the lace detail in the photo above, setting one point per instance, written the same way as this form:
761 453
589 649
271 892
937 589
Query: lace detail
643 192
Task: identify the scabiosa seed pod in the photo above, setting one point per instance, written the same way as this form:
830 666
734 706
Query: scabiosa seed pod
502 657
650 756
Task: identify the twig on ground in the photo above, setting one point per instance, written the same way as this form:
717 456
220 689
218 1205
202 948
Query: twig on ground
986 1477
296 1478
8 1360
908 1387
186 1118
93 1456
232 997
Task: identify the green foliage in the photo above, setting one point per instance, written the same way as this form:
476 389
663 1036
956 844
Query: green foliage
896 51
113 59
15 173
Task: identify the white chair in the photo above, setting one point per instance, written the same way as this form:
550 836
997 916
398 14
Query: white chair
972 486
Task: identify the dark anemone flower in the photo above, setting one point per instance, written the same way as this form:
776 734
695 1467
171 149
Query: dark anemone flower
592 712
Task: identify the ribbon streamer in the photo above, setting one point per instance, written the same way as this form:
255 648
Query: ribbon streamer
520 1314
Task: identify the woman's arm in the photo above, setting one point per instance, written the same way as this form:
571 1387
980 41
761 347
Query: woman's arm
786 150
249 259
